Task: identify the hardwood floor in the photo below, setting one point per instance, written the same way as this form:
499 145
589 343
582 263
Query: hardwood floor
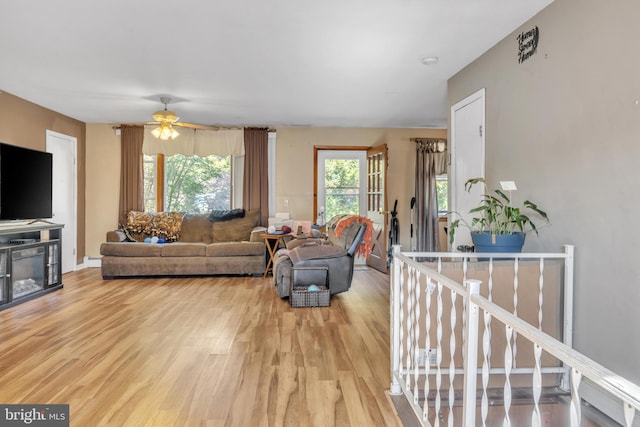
200 351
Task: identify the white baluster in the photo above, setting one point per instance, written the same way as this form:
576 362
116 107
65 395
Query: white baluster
491 300
438 353
395 309
629 414
417 340
429 292
452 352
540 295
515 308
465 267
411 356
508 359
402 325
575 409
536 419
486 366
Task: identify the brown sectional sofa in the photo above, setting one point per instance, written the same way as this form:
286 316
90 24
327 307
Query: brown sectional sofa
200 247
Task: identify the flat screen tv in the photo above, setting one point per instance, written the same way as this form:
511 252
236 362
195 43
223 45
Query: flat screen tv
25 183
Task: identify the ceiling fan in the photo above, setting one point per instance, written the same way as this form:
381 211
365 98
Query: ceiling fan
167 119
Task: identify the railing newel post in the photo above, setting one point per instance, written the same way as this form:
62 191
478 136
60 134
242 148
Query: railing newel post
396 269
470 354
567 330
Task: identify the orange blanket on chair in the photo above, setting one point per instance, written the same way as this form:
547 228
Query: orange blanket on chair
364 249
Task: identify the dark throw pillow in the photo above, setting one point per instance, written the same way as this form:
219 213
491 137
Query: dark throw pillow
226 215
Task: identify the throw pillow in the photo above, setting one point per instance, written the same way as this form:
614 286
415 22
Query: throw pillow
196 228
167 225
138 222
236 230
226 215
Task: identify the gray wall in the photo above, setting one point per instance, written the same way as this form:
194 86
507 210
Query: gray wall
565 125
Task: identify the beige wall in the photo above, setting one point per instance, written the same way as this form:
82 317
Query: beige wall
565 125
294 164
25 124
103 184
294 171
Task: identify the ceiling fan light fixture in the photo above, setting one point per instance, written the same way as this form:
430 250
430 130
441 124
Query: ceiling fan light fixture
164 132
166 119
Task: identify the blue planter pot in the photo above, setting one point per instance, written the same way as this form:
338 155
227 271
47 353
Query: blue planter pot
484 242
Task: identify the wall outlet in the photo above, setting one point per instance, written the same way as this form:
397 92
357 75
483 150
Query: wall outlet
427 356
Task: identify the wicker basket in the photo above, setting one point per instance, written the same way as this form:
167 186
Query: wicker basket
300 296
303 277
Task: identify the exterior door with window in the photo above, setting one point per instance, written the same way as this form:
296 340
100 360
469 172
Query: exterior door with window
354 181
341 178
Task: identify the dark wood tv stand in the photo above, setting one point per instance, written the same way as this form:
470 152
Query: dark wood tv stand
30 261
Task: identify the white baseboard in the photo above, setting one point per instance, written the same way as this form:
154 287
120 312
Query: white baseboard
92 262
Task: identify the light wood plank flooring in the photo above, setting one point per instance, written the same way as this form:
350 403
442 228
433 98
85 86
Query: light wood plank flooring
200 351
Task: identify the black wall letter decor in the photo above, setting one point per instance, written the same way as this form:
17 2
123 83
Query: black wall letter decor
527 44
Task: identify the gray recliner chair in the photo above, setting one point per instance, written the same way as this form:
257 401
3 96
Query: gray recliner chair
337 254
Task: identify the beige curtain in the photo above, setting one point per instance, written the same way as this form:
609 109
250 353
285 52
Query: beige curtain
131 171
255 193
431 160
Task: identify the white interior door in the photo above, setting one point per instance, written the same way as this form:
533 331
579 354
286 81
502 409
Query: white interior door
64 148
467 159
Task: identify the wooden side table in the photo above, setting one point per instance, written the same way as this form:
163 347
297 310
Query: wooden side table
272 242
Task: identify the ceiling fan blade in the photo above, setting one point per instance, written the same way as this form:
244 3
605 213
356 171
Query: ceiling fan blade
195 126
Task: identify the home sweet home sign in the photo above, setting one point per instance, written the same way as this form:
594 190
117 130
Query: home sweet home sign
527 44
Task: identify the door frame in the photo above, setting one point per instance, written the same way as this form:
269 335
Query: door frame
71 239
380 241
316 150
456 189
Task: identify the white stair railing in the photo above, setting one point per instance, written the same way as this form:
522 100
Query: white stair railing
422 297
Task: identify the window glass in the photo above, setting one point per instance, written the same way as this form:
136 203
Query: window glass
442 190
342 187
192 184
150 172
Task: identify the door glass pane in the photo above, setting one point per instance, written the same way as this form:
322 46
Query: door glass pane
342 187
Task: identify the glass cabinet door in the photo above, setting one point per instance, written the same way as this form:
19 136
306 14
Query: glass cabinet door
3 276
53 265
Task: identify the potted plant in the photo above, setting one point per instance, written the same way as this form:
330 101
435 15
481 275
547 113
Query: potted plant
497 226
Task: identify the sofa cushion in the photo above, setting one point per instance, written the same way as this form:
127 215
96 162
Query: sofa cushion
184 249
236 230
131 249
196 228
235 249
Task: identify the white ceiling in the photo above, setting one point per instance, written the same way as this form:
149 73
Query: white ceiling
351 63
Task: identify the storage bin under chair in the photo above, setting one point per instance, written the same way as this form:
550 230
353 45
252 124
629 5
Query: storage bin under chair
302 279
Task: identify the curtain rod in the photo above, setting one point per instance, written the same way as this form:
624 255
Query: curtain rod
117 127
